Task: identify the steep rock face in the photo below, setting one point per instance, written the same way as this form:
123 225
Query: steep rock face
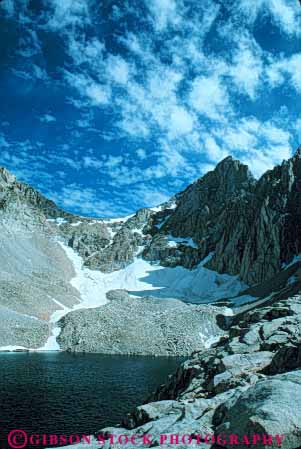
204 206
12 191
251 227
202 203
35 272
106 245
275 235
86 238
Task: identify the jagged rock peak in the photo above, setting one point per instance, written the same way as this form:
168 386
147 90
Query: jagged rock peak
230 165
298 153
6 177
230 175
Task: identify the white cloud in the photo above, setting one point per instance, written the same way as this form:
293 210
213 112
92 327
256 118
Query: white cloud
209 97
261 145
284 13
214 152
68 13
141 153
97 94
84 200
164 12
172 94
281 68
118 69
247 67
92 162
3 141
47 118
8 6
150 196
31 73
167 87
181 122
113 161
29 44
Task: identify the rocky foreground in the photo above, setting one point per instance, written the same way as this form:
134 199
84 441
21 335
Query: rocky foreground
247 383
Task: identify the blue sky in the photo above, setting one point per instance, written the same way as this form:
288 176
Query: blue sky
110 106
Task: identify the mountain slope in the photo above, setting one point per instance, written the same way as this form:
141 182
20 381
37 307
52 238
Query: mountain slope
225 232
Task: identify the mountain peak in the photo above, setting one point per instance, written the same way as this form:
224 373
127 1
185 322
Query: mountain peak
233 169
228 162
6 177
298 152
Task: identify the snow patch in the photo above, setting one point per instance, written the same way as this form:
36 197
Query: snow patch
51 344
208 341
117 220
199 285
137 230
164 206
296 259
162 222
175 241
142 278
12 348
90 285
59 221
292 280
244 299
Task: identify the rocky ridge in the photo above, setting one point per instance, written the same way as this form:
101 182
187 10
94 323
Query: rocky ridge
251 226
240 226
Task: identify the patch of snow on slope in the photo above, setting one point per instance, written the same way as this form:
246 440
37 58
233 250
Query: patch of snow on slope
162 222
244 299
199 285
140 278
137 230
116 220
292 280
175 241
296 259
208 341
51 344
93 285
13 348
163 206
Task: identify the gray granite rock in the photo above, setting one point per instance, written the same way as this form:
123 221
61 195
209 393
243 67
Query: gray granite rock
149 326
270 407
225 390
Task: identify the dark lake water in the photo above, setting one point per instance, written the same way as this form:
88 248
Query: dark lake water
62 393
